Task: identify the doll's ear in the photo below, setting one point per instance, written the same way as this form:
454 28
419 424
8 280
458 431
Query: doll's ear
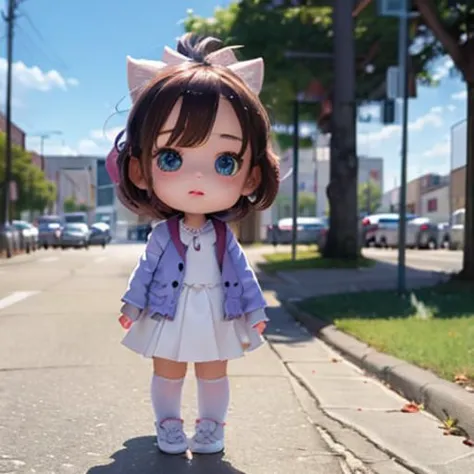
135 173
253 181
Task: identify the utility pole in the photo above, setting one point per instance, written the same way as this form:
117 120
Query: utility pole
10 20
403 78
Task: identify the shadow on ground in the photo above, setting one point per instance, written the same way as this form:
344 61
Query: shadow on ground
141 456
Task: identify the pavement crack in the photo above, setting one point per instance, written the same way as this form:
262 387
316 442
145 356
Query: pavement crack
350 462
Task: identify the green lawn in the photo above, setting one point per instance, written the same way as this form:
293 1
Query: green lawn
434 330
305 259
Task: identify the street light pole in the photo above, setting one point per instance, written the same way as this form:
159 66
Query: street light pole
403 71
294 228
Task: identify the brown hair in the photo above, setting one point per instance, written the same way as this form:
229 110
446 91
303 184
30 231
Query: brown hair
200 86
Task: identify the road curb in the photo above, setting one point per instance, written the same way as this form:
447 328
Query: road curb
438 396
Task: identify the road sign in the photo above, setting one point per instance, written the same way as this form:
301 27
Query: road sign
394 8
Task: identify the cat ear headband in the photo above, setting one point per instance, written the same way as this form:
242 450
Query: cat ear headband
141 71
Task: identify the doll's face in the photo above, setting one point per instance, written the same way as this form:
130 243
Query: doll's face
205 179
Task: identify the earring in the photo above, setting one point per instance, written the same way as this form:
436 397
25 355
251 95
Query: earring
252 198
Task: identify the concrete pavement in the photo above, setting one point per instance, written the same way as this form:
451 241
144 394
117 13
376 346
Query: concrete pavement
73 400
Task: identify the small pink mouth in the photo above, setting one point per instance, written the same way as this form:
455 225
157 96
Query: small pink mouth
195 192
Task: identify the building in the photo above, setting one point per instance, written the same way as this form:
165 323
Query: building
314 174
435 204
17 134
457 197
427 196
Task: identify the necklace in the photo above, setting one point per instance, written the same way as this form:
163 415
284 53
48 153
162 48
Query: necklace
195 233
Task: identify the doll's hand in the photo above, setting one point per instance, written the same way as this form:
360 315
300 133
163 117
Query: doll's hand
125 321
260 327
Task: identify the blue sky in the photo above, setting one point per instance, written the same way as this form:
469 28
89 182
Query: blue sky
69 74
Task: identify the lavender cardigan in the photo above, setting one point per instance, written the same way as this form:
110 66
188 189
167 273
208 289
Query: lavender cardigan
156 282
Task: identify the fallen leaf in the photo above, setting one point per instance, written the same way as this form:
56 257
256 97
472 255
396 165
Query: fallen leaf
359 409
410 408
461 378
469 442
335 360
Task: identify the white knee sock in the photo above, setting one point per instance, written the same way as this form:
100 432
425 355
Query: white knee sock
213 398
166 397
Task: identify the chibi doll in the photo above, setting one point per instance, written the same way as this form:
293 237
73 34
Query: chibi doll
195 154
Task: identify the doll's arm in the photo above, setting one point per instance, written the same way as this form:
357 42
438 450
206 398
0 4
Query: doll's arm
136 296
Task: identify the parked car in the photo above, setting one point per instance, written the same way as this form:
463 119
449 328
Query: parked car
456 234
49 231
75 217
370 225
310 230
444 235
74 235
100 234
7 243
28 235
385 232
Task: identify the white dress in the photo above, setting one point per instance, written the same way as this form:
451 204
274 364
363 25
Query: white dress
199 332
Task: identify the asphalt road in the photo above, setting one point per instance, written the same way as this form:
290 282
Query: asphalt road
74 400
434 260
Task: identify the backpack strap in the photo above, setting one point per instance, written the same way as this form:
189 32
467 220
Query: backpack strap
221 239
173 228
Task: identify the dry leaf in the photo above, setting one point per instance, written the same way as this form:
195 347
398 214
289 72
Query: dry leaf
461 378
469 442
411 408
334 360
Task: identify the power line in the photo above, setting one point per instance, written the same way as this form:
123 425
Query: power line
64 65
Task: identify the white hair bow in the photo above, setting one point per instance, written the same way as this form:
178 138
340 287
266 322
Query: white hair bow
141 71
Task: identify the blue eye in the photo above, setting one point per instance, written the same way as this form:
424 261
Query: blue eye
227 164
169 160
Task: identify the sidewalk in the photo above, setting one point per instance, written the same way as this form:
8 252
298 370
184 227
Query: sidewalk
353 401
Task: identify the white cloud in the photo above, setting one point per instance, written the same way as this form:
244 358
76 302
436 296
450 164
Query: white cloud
438 150
108 135
461 95
36 79
443 69
451 107
433 118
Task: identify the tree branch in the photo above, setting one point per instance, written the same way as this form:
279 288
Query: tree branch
430 16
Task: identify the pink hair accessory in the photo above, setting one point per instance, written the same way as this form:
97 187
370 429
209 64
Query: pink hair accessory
111 165
141 71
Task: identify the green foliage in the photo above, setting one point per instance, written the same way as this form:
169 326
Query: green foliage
35 192
270 32
369 197
70 205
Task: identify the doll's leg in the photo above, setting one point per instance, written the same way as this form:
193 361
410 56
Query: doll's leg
166 388
213 401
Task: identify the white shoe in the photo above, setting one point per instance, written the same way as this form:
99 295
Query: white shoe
209 437
170 436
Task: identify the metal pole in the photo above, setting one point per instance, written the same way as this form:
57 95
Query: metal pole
403 66
294 228
8 146
42 151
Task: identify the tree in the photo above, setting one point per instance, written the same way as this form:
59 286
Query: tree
272 32
369 197
35 192
447 27
70 205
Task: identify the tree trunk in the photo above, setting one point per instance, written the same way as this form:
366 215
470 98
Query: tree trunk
342 239
468 263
